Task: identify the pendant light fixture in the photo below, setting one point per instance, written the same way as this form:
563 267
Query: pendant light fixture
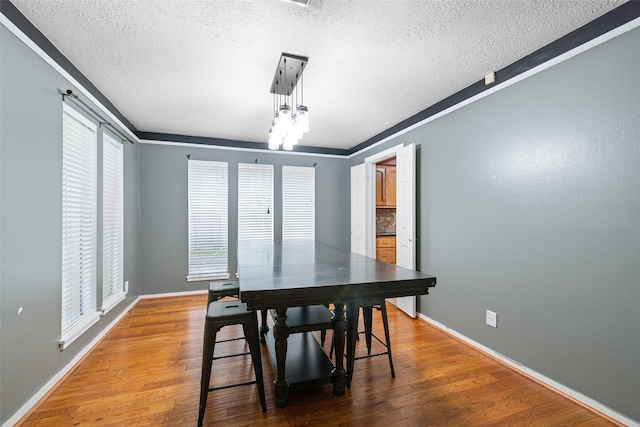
288 124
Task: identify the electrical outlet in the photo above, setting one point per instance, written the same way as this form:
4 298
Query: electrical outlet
492 318
126 287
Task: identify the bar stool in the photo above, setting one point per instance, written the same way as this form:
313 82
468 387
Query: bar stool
353 314
219 315
219 290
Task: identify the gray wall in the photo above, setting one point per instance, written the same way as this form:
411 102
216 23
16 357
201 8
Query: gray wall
163 188
529 205
31 226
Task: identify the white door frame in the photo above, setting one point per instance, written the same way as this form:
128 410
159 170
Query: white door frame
370 163
406 219
406 304
358 178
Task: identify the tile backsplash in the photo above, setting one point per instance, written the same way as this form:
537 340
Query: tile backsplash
385 220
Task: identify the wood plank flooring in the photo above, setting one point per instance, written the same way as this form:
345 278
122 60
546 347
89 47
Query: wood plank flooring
147 372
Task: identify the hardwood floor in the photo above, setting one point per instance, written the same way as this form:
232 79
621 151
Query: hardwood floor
147 372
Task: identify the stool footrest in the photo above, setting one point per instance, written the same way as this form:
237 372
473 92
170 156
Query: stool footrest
230 355
231 339
377 339
370 355
231 385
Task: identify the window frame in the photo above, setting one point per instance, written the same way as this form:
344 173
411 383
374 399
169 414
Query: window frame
112 216
204 196
292 195
74 324
253 200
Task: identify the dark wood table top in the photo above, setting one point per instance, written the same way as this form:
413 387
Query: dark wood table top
305 272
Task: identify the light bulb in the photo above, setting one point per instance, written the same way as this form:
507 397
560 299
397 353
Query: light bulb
274 140
285 118
302 118
296 127
289 141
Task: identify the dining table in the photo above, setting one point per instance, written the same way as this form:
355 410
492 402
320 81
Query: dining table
277 275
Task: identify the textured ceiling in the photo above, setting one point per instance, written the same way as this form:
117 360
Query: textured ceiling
204 68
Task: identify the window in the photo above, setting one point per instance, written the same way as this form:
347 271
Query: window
298 202
255 201
112 223
79 195
208 235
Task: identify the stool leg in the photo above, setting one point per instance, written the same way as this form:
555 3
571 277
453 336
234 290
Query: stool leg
385 323
251 332
210 331
367 315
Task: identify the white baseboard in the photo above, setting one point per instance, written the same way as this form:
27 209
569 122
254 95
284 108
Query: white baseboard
556 386
24 409
174 294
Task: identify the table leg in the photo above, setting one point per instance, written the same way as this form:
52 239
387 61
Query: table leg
353 311
339 331
281 333
264 328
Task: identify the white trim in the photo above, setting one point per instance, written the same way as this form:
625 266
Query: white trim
42 54
550 63
66 108
251 150
26 407
207 278
112 301
383 155
74 332
370 211
551 383
174 294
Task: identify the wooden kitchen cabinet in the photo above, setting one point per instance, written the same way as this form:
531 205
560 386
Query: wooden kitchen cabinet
386 249
385 186
380 172
390 187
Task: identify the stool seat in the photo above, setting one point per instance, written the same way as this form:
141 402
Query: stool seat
219 315
228 311
220 289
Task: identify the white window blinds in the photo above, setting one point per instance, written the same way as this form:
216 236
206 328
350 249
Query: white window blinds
112 222
208 219
255 201
79 194
298 202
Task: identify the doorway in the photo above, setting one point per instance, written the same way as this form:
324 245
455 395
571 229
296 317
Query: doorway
383 211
